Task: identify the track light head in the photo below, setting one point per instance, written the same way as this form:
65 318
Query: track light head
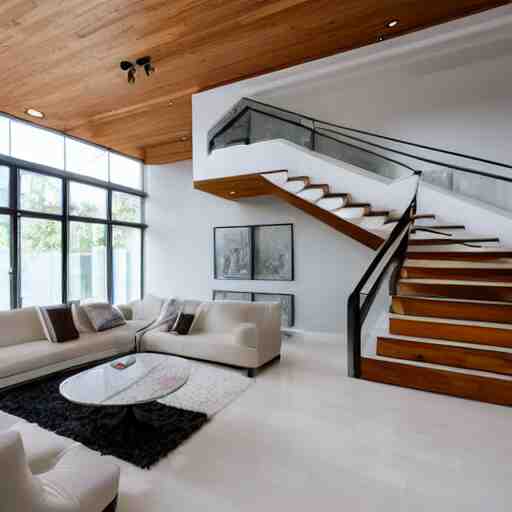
131 75
126 65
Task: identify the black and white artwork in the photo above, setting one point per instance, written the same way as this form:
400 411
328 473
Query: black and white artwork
273 252
287 305
233 253
235 296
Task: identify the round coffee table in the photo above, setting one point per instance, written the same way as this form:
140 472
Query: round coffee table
151 377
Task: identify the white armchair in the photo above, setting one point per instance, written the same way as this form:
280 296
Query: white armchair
79 482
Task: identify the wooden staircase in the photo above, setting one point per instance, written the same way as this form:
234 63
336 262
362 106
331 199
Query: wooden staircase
449 328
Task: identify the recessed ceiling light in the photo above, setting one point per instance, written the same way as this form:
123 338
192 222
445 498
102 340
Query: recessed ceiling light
392 23
171 103
380 38
232 193
32 112
184 138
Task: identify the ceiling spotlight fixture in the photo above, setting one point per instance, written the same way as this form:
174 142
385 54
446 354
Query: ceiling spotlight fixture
32 112
184 138
380 38
392 23
130 67
232 193
171 103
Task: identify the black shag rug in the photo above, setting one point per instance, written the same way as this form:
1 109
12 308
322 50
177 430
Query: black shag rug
143 443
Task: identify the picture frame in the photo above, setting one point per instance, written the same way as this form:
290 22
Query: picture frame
263 252
287 302
273 258
233 252
232 295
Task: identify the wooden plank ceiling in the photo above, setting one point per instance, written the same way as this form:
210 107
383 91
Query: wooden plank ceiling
62 56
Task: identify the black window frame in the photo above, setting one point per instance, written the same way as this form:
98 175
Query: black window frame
16 213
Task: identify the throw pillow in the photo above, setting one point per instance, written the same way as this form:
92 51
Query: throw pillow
80 319
183 324
103 316
58 323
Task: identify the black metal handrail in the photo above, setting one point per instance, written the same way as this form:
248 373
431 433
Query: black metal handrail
247 104
357 311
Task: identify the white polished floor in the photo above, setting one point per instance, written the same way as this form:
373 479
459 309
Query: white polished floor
305 437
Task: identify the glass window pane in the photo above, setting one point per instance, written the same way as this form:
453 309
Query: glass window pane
126 207
125 171
86 159
40 193
37 145
127 263
4 135
5 262
87 201
41 261
87 276
4 186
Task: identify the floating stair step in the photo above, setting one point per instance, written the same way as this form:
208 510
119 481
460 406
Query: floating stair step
457 310
314 193
472 290
332 202
423 217
450 240
297 184
353 211
279 178
454 383
371 221
463 331
457 273
458 252
450 355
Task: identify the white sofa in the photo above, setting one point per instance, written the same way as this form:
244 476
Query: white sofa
26 354
44 472
242 334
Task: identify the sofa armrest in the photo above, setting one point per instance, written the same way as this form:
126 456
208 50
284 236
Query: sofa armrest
246 335
126 310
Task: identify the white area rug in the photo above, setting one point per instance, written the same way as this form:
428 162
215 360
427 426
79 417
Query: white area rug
209 389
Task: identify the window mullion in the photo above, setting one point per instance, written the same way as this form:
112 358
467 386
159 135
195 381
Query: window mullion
110 250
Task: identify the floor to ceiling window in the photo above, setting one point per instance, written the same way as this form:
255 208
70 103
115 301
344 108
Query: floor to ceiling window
71 219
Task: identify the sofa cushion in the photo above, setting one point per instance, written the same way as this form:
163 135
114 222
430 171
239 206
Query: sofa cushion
58 323
81 320
20 326
8 420
26 357
148 308
103 316
182 324
211 347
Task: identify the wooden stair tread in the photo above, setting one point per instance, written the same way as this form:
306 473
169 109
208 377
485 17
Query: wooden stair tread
489 388
377 213
298 178
499 312
503 263
437 227
452 321
450 240
444 354
455 282
457 273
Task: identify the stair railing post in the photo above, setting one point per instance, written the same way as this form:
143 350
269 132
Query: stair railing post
354 336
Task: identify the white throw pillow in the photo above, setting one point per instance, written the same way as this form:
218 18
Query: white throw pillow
169 313
103 316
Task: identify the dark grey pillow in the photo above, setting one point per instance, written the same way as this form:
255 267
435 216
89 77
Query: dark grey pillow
103 315
58 323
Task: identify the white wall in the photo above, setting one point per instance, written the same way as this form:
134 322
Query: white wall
448 86
179 259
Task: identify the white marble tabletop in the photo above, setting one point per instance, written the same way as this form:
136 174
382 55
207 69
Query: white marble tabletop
153 376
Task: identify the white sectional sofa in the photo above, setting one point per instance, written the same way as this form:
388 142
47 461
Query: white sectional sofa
25 353
242 334
45 472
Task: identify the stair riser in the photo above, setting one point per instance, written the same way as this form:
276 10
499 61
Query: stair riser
455 310
351 213
492 293
295 186
471 359
462 274
473 387
458 256
372 222
452 332
332 203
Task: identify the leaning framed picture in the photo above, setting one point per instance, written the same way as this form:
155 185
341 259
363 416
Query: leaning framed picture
273 252
287 305
233 252
232 295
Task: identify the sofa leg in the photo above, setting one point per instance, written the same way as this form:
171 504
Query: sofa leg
251 372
